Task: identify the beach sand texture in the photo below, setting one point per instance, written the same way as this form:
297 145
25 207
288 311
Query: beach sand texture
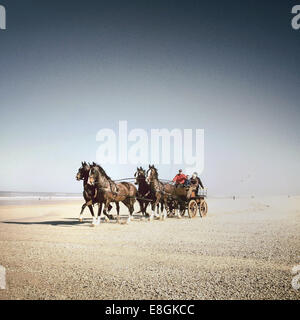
244 249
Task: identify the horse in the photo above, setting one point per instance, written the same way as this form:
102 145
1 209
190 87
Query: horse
164 192
143 192
90 194
159 190
112 191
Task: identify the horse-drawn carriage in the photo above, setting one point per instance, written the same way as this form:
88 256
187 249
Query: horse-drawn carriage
192 201
101 189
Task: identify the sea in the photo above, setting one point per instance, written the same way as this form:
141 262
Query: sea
12 197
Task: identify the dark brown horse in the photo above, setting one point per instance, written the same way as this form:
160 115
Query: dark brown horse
113 192
144 194
90 194
165 192
161 191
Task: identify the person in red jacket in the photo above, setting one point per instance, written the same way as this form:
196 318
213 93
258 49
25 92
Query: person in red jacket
180 178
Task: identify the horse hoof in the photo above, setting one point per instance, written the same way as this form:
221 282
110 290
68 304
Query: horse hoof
94 223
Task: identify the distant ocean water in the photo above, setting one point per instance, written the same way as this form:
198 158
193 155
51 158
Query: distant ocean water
15 196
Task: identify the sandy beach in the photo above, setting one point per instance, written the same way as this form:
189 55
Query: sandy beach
244 249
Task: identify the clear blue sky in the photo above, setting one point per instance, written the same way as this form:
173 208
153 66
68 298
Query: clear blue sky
68 69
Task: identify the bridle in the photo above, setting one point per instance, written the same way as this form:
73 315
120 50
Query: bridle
140 175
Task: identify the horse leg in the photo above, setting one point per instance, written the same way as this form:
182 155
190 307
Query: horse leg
92 213
106 215
128 205
158 200
152 210
118 211
106 206
99 213
157 209
130 209
162 210
141 203
144 206
81 212
146 203
110 216
178 210
165 201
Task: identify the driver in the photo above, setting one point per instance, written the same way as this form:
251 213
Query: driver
180 178
195 182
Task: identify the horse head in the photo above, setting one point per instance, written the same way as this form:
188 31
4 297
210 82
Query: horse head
98 176
139 175
152 174
83 171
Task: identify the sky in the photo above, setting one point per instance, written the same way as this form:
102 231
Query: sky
71 68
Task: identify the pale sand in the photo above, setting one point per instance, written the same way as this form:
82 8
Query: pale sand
243 249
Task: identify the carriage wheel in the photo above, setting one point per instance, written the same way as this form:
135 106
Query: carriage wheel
203 208
192 208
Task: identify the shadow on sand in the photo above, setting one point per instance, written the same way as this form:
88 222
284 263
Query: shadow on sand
68 222
71 222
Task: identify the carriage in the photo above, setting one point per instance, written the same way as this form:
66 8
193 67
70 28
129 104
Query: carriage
193 204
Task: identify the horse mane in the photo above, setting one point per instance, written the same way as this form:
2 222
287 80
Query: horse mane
140 169
155 171
102 171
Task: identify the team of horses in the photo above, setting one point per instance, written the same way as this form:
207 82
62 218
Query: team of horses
99 188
